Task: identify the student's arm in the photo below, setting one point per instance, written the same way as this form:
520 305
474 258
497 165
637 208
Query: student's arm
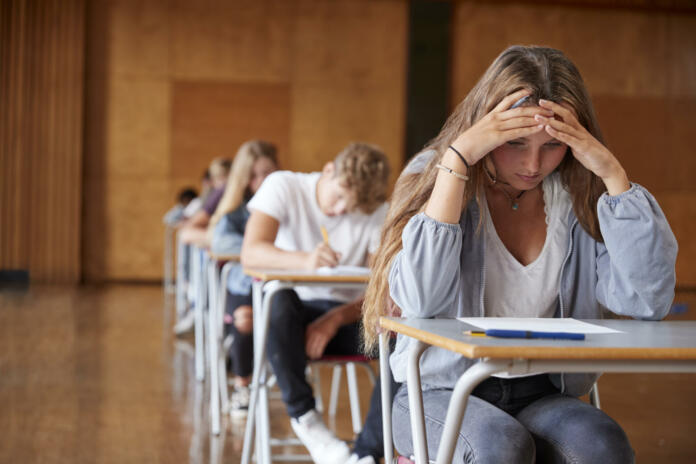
585 148
198 220
323 329
196 236
259 251
636 263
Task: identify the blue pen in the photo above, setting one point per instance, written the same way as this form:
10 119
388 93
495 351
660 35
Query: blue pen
519 102
502 333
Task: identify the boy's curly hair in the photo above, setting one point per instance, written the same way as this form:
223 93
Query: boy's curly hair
364 168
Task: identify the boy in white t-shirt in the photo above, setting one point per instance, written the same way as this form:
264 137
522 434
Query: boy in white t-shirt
284 231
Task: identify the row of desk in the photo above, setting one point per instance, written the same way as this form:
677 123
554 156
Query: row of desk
641 347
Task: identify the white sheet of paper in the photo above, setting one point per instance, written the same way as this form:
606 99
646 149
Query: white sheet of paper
344 270
539 324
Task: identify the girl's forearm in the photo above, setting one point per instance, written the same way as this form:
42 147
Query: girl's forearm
445 203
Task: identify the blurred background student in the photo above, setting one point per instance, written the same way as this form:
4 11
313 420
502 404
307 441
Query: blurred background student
255 160
194 232
178 212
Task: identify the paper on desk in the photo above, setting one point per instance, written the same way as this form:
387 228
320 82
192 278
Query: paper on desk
538 324
344 270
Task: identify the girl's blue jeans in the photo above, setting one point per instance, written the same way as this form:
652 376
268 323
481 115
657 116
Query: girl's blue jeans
520 420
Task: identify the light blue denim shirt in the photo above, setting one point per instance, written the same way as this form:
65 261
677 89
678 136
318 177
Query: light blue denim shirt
440 272
228 235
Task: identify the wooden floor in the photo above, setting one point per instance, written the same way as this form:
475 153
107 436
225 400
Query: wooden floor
92 375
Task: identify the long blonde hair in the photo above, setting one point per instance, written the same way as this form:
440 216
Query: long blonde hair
550 75
237 188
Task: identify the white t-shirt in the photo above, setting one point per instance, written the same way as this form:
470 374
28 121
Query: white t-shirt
514 290
290 198
193 207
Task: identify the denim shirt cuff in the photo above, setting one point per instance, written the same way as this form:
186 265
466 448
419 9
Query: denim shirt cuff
434 223
613 200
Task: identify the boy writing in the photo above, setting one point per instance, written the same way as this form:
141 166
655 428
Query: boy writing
284 231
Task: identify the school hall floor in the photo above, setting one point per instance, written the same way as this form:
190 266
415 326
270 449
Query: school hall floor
93 375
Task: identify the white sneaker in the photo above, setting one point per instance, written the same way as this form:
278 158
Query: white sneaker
185 324
322 444
364 460
239 402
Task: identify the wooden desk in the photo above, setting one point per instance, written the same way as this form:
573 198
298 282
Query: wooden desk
223 258
268 282
645 346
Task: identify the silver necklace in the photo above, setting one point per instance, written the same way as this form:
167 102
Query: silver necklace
514 201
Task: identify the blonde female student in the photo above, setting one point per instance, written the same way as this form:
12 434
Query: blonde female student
521 211
254 161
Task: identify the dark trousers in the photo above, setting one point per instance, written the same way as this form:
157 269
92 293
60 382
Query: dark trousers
286 346
242 348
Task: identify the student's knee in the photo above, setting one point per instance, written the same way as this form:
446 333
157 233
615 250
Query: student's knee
601 441
515 446
489 440
566 429
243 319
284 308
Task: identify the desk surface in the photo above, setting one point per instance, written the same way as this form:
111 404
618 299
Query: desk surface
304 276
640 340
218 257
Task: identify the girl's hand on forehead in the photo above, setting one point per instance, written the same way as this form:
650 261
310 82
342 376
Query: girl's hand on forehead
501 125
584 146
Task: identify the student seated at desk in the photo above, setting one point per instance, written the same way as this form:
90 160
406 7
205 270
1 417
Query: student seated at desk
522 211
285 232
194 229
177 213
254 161
194 232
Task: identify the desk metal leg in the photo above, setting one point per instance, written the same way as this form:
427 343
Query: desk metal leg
166 276
180 273
415 402
220 327
261 322
197 280
455 412
386 397
213 347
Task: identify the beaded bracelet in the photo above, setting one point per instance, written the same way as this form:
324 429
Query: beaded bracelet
454 173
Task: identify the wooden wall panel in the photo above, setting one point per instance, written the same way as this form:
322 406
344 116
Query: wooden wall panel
41 96
171 84
211 119
351 81
640 69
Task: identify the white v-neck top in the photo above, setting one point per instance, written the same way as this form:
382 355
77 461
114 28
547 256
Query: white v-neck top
514 290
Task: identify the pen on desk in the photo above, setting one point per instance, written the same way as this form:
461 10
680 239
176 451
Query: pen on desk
502 333
325 234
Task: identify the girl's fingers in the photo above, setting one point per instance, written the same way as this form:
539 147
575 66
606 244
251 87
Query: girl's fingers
526 121
564 137
508 101
559 125
522 132
567 115
530 111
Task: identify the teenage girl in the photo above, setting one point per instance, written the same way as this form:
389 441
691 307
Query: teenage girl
254 161
520 211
